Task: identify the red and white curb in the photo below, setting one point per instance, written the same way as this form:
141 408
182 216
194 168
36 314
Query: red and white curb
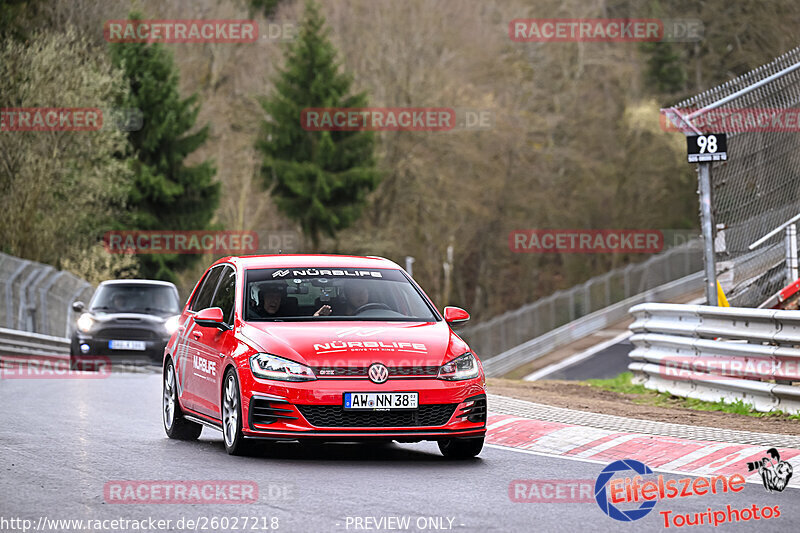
666 454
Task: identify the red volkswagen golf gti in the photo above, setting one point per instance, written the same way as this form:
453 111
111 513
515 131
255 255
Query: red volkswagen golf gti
294 347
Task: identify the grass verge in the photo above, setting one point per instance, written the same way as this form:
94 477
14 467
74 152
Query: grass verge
624 385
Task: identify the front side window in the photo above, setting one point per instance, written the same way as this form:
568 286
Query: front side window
205 292
333 294
226 294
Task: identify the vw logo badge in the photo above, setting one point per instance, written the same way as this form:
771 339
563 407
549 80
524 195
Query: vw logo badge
378 373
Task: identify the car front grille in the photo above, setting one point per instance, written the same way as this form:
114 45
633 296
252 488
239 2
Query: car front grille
362 371
126 334
336 416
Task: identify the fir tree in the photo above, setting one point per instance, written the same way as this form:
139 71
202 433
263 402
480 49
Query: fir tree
166 193
318 179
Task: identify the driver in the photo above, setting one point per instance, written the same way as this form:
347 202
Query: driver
270 298
356 295
119 301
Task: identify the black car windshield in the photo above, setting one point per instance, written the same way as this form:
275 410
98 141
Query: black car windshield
333 294
135 298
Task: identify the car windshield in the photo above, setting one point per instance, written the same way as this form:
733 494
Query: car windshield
333 294
135 298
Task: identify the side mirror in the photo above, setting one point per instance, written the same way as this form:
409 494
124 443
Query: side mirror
77 306
210 317
455 315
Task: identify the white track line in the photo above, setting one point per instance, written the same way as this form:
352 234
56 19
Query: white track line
577 358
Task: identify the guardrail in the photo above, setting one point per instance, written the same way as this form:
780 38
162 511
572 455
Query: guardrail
16 345
505 332
509 360
714 354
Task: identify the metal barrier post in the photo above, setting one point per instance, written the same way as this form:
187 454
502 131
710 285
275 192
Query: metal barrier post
707 226
791 253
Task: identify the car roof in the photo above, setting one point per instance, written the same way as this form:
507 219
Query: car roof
309 260
153 282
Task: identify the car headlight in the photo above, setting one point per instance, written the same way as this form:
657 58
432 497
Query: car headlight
172 323
85 322
267 366
462 367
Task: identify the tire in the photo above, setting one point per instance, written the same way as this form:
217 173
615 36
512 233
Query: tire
175 425
231 409
461 448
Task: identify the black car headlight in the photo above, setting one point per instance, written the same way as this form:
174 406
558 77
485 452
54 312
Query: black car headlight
462 367
268 366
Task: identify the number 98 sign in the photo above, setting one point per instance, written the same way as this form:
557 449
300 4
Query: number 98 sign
710 147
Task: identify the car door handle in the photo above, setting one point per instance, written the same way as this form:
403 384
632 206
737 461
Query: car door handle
197 334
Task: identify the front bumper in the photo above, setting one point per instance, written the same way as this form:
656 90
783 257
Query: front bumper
153 352
314 409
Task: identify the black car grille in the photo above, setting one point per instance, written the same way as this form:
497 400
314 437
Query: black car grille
362 371
126 334
264 411
336 416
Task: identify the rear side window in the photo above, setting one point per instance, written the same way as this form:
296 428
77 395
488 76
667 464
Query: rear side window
204 294
226 294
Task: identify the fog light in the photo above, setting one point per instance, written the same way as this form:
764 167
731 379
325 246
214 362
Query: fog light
85 348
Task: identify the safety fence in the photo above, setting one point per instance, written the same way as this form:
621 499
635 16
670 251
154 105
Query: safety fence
755 190
38 298
535 348
715 354
514 328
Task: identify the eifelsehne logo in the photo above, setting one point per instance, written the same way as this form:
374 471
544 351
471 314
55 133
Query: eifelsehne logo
775 474
601 495
631 490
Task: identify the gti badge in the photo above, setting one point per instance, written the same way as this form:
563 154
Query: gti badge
378 373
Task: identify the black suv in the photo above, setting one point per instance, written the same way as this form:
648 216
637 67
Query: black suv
129 321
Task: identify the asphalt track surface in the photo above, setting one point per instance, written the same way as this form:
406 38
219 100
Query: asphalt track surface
605 364
62 440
